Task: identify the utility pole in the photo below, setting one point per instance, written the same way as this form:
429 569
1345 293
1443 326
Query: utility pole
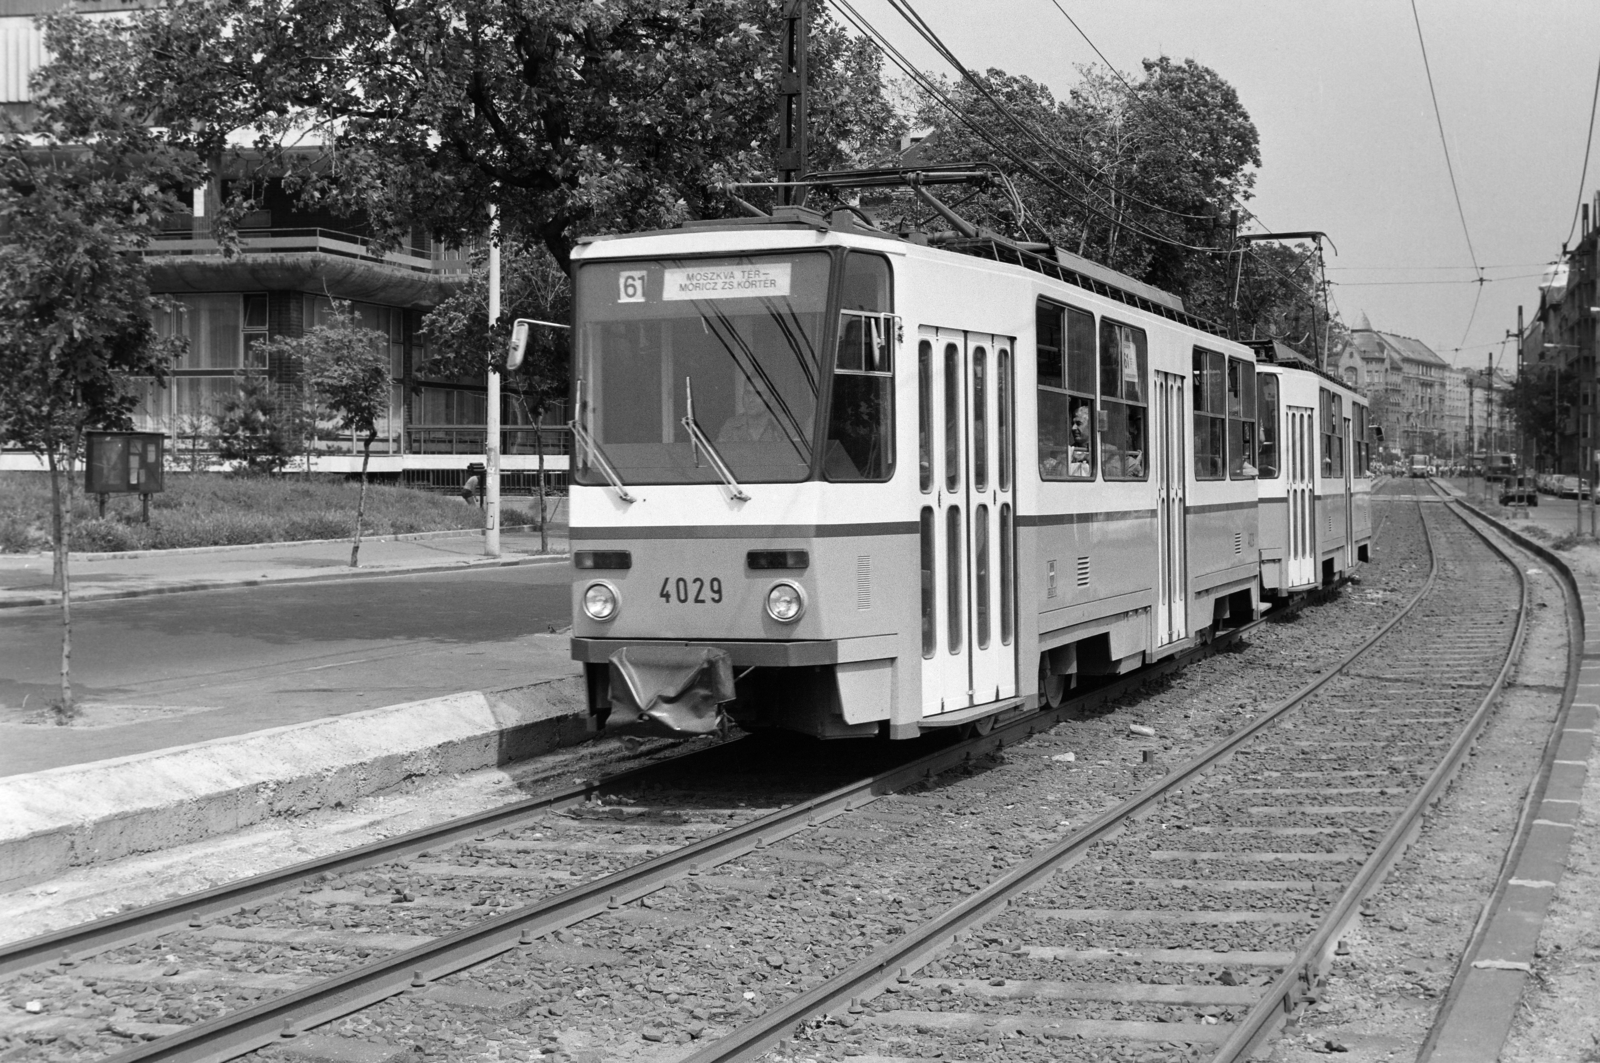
792 101
491 441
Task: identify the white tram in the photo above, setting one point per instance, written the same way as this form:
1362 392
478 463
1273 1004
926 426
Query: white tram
849 484
1315 473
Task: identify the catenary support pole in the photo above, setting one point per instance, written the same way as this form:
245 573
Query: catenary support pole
491 435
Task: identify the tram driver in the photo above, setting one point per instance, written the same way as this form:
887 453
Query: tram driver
752 420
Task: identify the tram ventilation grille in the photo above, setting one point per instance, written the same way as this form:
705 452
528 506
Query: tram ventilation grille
1238 542
1083 571
864 581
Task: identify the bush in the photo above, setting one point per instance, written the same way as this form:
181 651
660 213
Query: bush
212 509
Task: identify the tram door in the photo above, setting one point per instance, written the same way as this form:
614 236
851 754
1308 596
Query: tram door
1172 576
969 633
1349 495
1300 567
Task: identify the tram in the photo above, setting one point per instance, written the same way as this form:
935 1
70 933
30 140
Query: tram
1315 473
833 480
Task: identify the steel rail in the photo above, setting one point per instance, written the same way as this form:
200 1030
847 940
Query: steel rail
1532 801
125 927
929 940
1262 1019
85 939
248 1029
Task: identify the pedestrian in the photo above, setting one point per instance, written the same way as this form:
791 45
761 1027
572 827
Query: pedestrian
470 491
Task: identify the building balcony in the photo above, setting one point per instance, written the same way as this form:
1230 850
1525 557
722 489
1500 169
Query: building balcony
344 265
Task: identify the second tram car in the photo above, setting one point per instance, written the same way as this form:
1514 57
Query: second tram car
1315 475
840 482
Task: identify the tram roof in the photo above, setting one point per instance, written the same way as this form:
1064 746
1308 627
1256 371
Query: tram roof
1045 259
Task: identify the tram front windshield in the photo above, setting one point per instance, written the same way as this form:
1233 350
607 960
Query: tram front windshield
741 334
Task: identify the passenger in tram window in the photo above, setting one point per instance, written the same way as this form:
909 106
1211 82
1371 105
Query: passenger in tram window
1122 451
752 420
1080 460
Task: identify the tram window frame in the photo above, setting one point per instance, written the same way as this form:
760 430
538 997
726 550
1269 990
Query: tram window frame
863 375
1127 410
930 596
1004 417
1242 436
1066 384
925 415
1361 425
1267 427
953 436
978 359
1210 416
1332 431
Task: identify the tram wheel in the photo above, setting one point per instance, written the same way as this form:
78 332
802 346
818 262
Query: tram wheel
1052 687
977 728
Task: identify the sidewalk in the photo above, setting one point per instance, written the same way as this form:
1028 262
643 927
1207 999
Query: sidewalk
25 578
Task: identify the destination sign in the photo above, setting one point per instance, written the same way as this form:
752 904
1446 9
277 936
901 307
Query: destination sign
725 282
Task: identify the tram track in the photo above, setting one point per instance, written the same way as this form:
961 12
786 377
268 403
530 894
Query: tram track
228 945
416 972
1161 948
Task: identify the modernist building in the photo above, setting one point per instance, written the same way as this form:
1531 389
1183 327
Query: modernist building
294 262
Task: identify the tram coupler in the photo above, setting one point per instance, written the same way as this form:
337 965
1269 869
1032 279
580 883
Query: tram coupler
669 690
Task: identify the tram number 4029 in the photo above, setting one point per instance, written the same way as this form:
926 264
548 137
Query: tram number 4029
691 591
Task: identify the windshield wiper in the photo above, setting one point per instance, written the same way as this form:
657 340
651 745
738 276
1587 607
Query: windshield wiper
583 437
703 442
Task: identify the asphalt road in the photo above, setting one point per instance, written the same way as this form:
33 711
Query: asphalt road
221 662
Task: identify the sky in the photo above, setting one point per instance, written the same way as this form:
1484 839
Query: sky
1349 141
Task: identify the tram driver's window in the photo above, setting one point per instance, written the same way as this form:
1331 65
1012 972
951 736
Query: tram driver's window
1124 368
860 439
1066 360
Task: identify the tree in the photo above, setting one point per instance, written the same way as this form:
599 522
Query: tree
463 344
573 116
82 189
347 371
1541 397
254 427
1139 174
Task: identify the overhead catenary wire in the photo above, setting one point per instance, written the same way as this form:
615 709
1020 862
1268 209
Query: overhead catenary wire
1132 92
1087 173
1444 145
925 83
1588 143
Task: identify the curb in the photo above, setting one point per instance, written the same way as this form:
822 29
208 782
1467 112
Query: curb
1486 991
319 577
71 817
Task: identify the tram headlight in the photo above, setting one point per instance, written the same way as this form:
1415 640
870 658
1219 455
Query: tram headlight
600 601
785 602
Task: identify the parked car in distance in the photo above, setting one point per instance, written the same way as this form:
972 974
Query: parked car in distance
1572 487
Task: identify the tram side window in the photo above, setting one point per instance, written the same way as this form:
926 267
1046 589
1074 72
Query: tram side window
860 440
1241 419
1332 418
1268 391
1066 358
1362 444
1338 435
1124 368
1210 421
1325 429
